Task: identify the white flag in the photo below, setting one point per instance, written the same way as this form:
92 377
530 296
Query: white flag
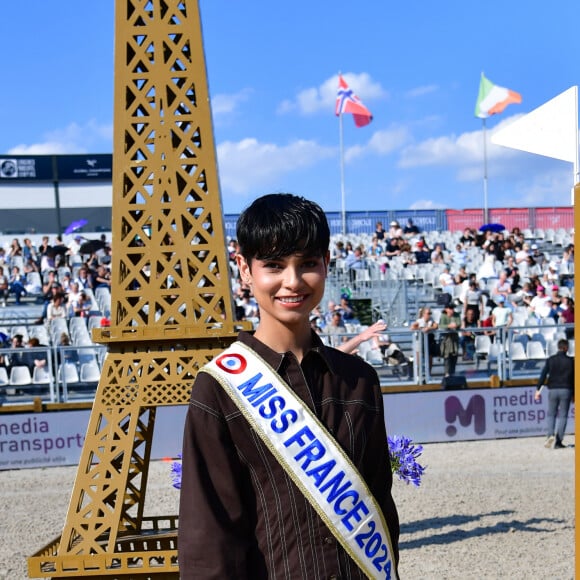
550 130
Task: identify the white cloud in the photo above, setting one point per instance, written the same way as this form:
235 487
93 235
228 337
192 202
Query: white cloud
74 138
422 91
248 164
382 143
322 98
226 104
426 204
465 152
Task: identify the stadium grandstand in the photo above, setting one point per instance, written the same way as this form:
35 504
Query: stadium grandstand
67 199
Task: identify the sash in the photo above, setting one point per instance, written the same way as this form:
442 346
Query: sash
316 463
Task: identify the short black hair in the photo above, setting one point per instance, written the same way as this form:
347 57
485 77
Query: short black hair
279 224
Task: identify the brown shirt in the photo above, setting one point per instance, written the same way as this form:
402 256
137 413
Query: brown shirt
241 517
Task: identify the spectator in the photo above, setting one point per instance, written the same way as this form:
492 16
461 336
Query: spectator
551 276
355 261
74 247
83 279
437 255
472 298
539 304
407 256
336 329
449 322
56 308
427 326
30 253
73 298
17 283
102 278
47 261
392 248
33 357
522 253
566 312
4 287
15 359
468 238
375 250
411 229
501 316
393 354
459 255
64 352
346 309
44 247
379 231
15 250
467 337
395 230
522 297
447 282
422 252
559 373
555 296
538 256
502 287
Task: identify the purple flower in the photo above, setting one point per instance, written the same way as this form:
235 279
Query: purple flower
403 455
176 473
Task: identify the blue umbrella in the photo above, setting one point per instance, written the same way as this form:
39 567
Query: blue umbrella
492 228
76 225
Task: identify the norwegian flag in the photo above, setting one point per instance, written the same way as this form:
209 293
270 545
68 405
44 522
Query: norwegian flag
348 102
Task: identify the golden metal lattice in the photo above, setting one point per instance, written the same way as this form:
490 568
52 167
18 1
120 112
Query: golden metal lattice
171 307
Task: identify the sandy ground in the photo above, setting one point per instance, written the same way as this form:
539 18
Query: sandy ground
486 509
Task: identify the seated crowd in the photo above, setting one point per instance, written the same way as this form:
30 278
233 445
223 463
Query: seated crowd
491 280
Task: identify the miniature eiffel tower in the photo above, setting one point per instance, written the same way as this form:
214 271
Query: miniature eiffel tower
171 300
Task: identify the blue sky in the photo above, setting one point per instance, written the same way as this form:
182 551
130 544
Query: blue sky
272 70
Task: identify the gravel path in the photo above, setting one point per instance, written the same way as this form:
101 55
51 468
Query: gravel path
486 509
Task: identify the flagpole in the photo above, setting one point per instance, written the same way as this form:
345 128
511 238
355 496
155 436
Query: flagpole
342 193
485 212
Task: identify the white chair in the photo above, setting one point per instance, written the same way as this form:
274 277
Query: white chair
517 352
482 345
535 350
571 347
41 376
374 357
90 372
20 376
4 379
67 373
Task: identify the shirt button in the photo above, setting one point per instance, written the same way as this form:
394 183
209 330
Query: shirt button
333 577
329 540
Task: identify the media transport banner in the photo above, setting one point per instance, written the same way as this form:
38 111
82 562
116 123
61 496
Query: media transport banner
469 414
50 439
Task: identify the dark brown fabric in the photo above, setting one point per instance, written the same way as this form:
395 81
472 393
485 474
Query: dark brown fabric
241 516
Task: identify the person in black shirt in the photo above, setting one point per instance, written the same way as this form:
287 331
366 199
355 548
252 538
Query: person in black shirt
559 370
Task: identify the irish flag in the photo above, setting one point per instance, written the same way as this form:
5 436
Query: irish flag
493 99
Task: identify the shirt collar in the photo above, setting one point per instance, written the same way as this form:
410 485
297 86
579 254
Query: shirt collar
318 353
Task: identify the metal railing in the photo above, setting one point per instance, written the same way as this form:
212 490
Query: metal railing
508 352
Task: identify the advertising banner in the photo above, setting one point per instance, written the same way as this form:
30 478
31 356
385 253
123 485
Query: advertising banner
41 168
46 439
469 414
97 167
25 168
